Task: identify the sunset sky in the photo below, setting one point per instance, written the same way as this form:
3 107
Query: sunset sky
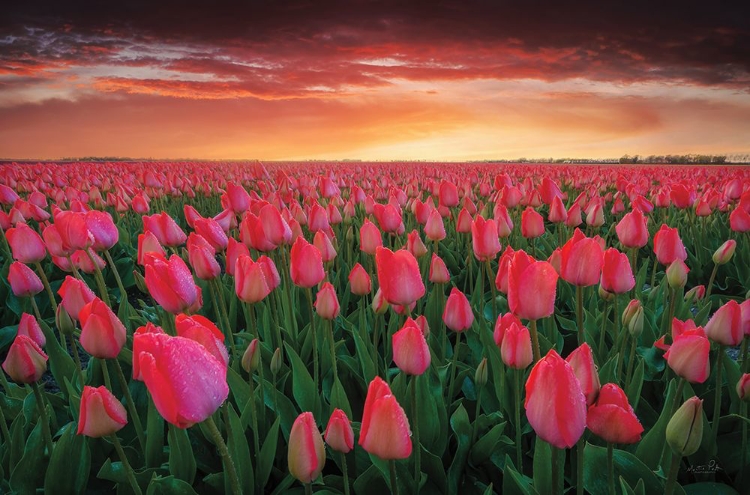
437 80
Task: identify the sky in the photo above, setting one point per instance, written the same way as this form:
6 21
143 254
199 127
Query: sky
433 80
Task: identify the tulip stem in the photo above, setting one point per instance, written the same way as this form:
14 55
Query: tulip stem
579 314
441 325
345 472
610 468
554 451
653 273
308 489
77 359
332 345
254 417
672 478
47 287
743 353
99 278
603 331
131 405
316 377
375 338
717 399
76 273
579 464
118 280
677 396
222 314
535 340
453 367
743 413
394 480
36 308
519 432
105 373
126 464
631 361
4 425
415 424
225 456
493 289
43 417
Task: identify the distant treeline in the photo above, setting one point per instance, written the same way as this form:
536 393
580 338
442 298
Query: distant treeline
675 159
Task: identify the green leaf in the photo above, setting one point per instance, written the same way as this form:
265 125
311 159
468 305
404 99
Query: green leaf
433 467
709 488
60 362
303 386
169 486
154 436
652 444
181 459
69 466
371 482
462 429
339 398
514 483
267 454
542 466
636 384
29 472
485 445
240 451
626 465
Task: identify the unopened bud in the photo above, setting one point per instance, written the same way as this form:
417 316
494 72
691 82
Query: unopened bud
140 282
635 325
607 296
677 273
630 311
480 376
63 321
379 304
725 252
696 293
251 358
685 429
277 360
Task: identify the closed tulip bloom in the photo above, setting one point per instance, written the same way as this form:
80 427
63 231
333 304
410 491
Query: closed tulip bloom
239 199
326 302
186 382
253 235
743 387
276 229
410 350
23 281
379 304
359 280
324 245
415 245
211 231
595 215
307 453
318 218
235 250
555 404
25 361
685 429
339 434
434 229
745 317
251 357
148 244
101 414
54 242
515 348
165 229
557 211
171 284
632 230
458 315
140 204
501 279
532 223
532 286
27 246
696 293
369 237
725 326
191 215
448 194
503 220
273 279
502 324
102 333
725 252
250 282
582 362
205 332
582 259
668 246
677 273
30 328
385 428
438 271
574 216
306 266
555 259
103 229
202 257
73 231
485 240
617 275
688 355
83 261
399 277
612 417
75 295
739 220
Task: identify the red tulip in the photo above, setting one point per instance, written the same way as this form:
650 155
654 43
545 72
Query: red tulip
339 434
739 220
463 222
501 279
75 295
326 302
27 246
83 261
148 245
434 228
359 280
202 257
688 355
306 454
574 216
555 404
399 277
503 220
165 229
632 230
385 428
239 199
29 327
458 315
318 219
532 223
23 281
532 286
410 350
369 237
668 246
73 231
101 414
186 382
448 194
617 275
234 251
582 362
324 245
191 215
211 231
171 285
612 417
557 211
502 324
725 326
485 240
103 230
438 271
415 245
102 333
515 346
25 362
581 260
202 330
250 282
306 266
140 204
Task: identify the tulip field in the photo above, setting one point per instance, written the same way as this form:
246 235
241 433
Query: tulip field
369 328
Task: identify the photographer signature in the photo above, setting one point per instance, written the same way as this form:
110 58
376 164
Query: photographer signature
711 467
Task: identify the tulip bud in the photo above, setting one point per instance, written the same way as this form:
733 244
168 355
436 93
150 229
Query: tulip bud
685 429
607 296
101 414
339 434
743 387
480 376
630 311
677 274
695 294
326 302
63 321
725 252
277 360
30 328
25 362
307 453
379 304
635 325
23 281
140 282
251 357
